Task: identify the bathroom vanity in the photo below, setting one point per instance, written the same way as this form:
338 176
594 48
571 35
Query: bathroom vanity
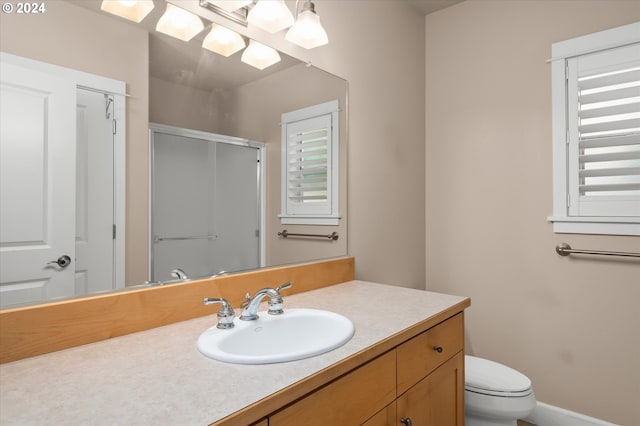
420 381
404 363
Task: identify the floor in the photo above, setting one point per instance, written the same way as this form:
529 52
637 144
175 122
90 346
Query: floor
523 423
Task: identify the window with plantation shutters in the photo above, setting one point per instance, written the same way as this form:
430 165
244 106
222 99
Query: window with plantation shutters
310 165
596 130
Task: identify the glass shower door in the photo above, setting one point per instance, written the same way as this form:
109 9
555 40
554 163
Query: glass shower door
205 214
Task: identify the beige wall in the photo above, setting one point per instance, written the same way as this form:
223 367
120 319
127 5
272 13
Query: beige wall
181 106
378 47
73 37
570 324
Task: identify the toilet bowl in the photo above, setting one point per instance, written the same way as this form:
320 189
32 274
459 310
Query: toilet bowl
494 394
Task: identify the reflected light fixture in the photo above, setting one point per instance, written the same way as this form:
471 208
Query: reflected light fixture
270 15
260 56
179 23
133 10
223 41
230 5
307 32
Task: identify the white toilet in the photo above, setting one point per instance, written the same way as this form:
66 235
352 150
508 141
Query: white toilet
495 394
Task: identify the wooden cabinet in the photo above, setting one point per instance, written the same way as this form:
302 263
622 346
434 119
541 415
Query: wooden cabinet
422 380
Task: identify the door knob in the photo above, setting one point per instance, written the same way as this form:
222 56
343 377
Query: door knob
406 422
63 261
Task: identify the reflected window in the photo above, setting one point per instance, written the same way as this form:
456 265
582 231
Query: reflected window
310 165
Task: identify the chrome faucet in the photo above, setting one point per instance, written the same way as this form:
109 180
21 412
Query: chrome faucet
250 305
179 274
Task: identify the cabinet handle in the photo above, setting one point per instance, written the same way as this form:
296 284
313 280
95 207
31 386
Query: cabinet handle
438 349
406 422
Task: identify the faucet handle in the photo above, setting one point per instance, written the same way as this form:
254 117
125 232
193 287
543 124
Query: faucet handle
276 303
283 287
226 314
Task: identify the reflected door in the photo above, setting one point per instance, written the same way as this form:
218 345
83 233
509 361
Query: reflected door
94 233
237 208
205 206
37 186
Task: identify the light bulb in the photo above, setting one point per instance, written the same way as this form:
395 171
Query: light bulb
307 32
179 23
260 56
270 15
223 41
129 9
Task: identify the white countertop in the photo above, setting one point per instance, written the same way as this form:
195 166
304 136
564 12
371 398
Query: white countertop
158 376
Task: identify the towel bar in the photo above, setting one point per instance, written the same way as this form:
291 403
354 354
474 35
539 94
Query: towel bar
332 236
564 249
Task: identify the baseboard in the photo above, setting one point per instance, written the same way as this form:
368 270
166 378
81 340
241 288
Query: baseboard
548 415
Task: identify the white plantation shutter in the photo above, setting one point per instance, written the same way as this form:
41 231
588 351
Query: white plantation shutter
309 159
604 133
308 154
596 132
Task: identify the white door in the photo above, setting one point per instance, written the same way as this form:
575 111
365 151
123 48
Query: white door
94 192
37 186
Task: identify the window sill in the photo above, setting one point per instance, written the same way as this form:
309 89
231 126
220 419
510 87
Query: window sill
309 220
596 225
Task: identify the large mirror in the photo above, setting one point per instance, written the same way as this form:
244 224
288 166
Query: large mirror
183 86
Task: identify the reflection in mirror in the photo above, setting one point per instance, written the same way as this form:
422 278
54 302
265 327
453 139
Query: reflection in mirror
172 83
220 180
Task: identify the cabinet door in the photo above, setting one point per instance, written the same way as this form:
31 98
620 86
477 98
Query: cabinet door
349 400
438 399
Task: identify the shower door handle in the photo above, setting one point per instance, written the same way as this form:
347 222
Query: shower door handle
63 261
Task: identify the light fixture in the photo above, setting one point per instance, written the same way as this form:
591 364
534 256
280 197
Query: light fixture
307 32
133 10
260 56
223 41
179 23
270 15
230 5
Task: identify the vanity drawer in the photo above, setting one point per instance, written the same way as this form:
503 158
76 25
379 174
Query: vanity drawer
424 353
349 400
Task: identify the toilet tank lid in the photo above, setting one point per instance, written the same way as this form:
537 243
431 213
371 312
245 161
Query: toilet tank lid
481 373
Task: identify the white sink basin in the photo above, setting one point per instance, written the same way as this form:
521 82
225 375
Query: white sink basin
296 334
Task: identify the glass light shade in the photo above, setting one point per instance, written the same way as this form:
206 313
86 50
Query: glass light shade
179 23
230 5
260 56
270 15
223 41
132 10
307 32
